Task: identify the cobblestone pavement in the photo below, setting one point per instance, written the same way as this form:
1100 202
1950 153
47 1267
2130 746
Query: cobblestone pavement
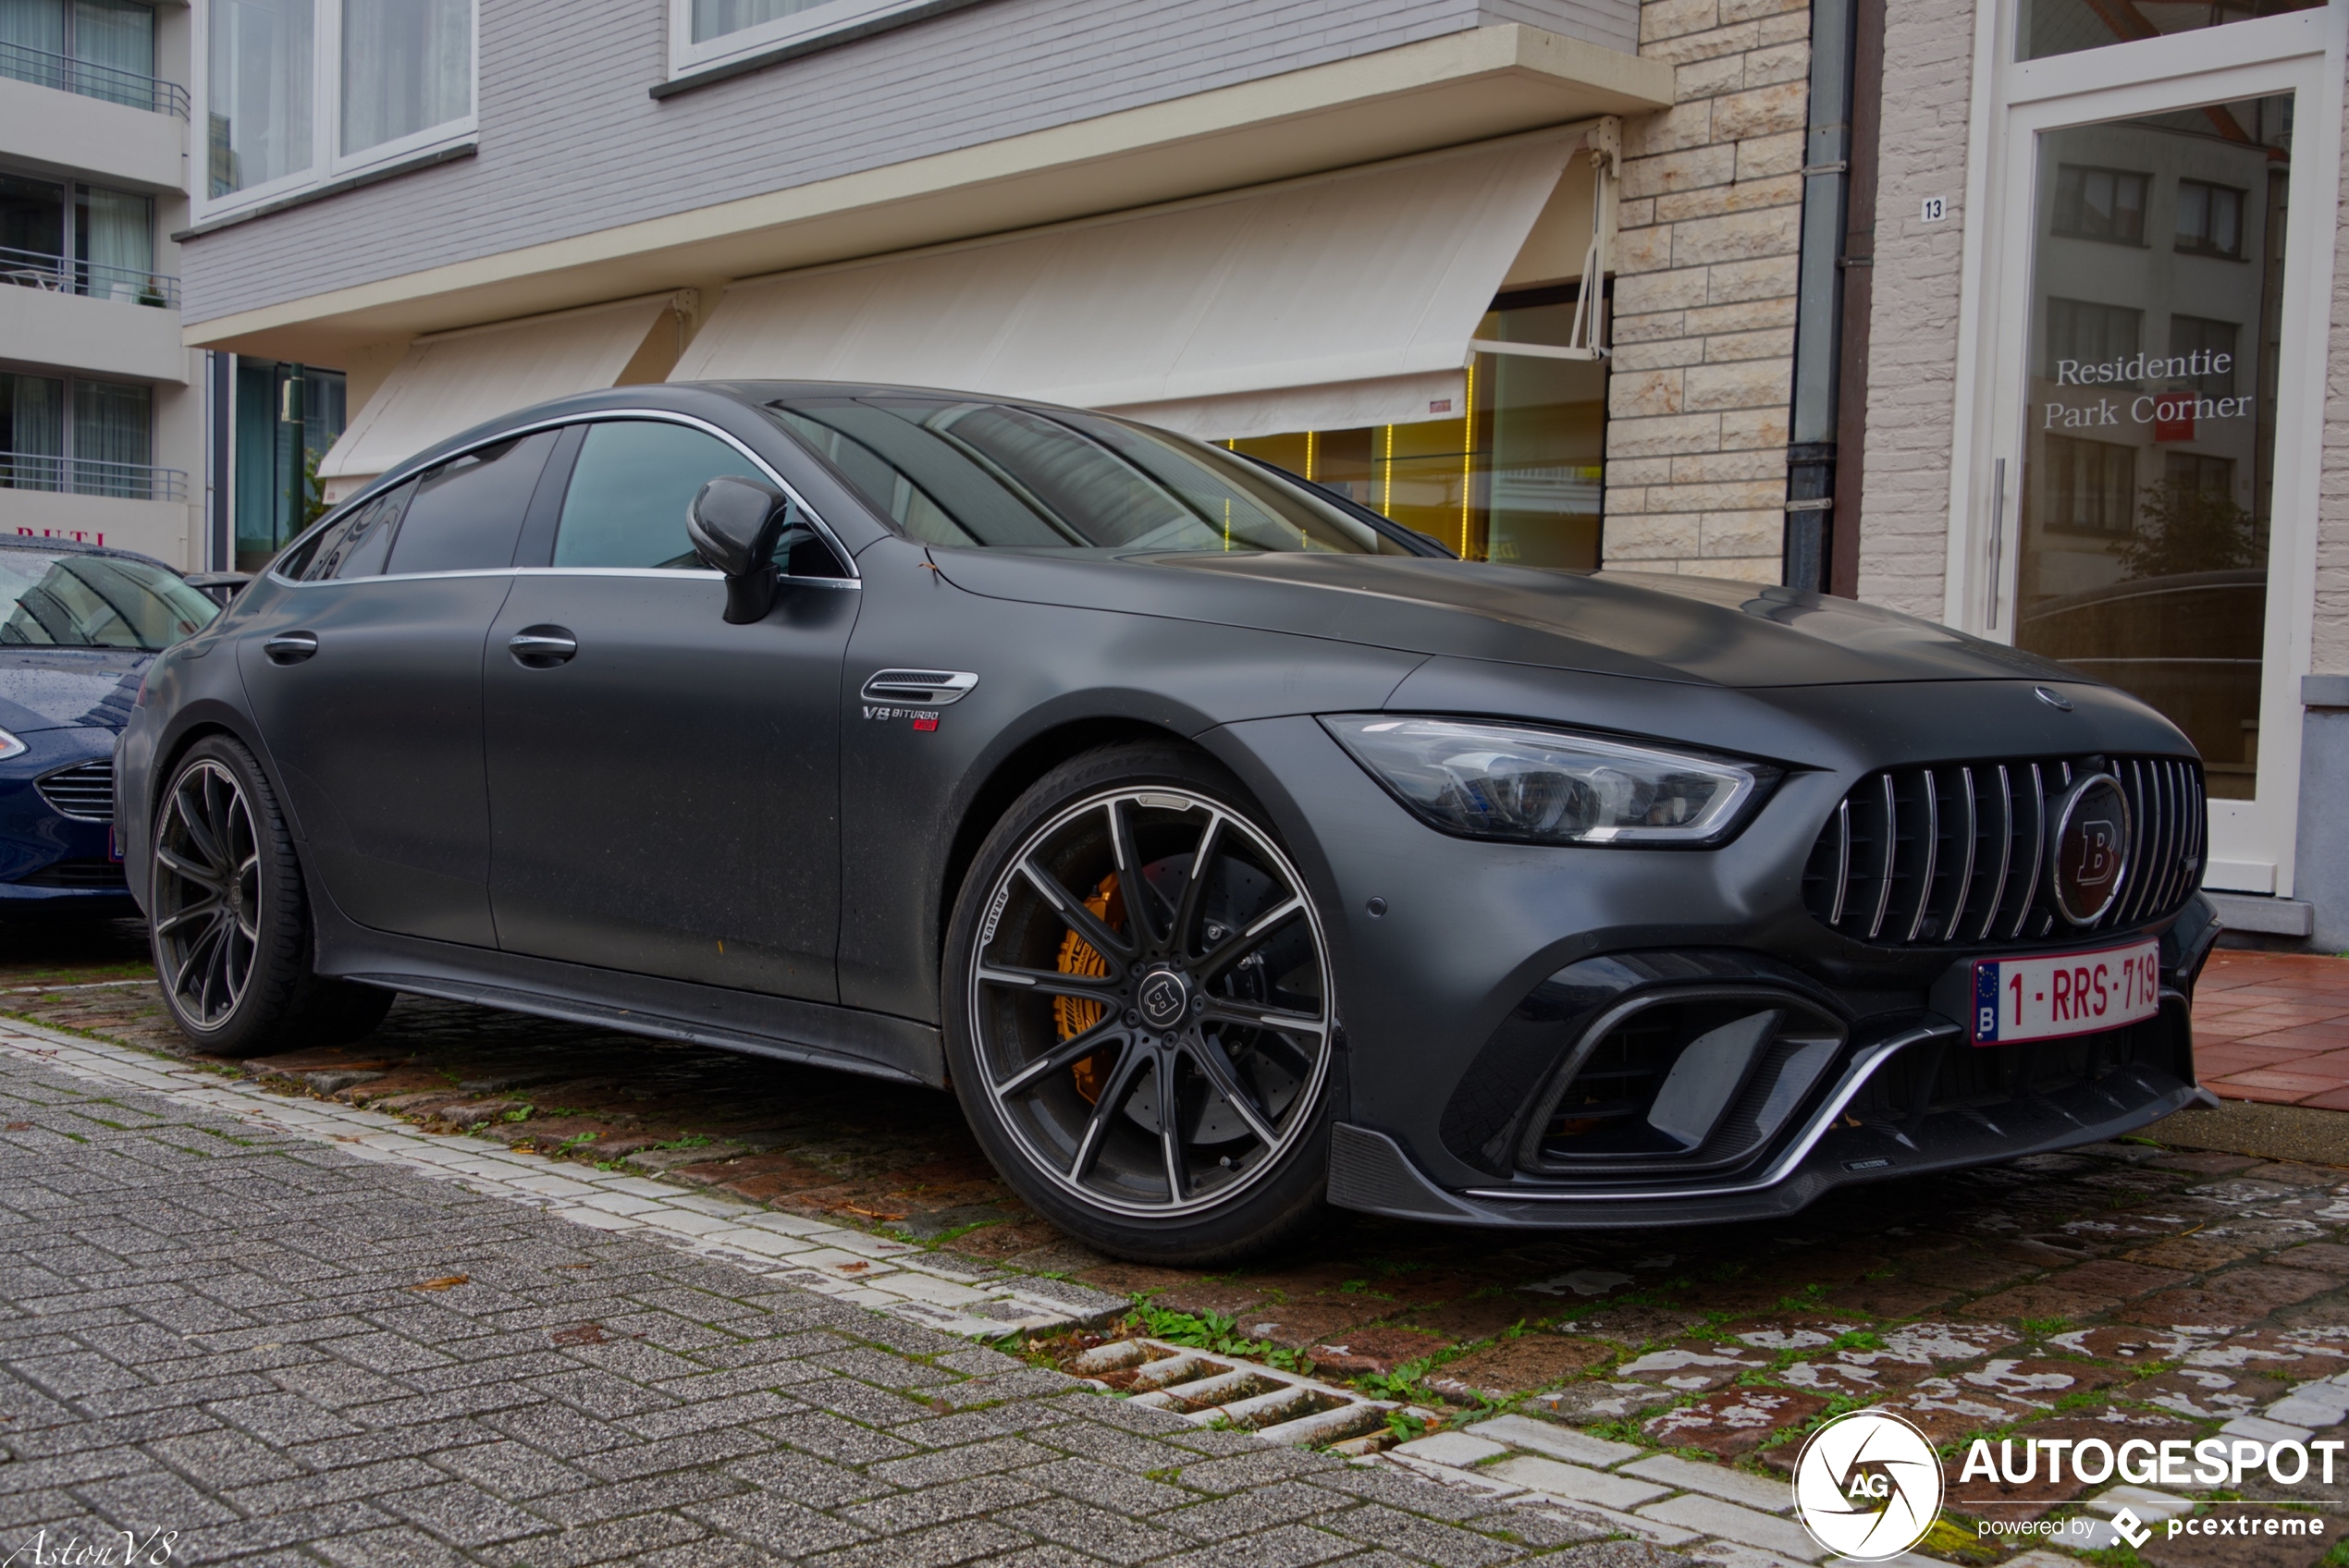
2275 1027
2176 1291
252 1348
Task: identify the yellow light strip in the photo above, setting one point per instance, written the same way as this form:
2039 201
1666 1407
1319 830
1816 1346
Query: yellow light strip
1311 447
1387 476
1468 458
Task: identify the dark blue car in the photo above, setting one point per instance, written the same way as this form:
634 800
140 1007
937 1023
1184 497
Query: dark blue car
79 626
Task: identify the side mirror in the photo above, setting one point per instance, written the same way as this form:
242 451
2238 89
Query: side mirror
734 523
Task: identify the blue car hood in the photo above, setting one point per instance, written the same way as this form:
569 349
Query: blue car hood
62 687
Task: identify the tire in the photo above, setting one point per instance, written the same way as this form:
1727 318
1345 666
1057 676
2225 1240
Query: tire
230 919
1068 1008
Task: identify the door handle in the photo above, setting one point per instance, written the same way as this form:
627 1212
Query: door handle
291 647
542 647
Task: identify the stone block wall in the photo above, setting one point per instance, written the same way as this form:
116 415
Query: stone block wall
1708 231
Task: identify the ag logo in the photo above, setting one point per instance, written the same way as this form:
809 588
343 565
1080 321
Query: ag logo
1867 1486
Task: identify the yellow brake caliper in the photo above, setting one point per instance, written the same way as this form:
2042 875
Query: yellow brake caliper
1074 1015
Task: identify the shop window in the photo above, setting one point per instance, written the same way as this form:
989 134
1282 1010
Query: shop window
285 417
1518 477
2149 467
2209 219
2107 204
2066 27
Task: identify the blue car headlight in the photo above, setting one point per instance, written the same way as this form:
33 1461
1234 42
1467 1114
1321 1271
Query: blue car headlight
1489 780
11 746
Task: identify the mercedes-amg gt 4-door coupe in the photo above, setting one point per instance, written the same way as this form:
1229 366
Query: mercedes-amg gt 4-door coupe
1226 849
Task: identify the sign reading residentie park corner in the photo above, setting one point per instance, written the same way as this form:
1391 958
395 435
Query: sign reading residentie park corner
2146 408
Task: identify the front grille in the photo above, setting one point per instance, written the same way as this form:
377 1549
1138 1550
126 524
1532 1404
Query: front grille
1959 853
77 874
84 792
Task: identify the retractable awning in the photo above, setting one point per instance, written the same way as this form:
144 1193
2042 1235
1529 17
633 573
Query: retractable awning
450 381
1324 303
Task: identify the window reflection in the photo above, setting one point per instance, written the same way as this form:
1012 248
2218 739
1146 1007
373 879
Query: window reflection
2066 27
2150 423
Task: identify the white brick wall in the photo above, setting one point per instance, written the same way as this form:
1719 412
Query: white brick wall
1913 350
1705 273
2331 654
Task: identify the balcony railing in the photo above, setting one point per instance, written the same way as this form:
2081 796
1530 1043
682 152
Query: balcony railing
93 80
63 275
87 476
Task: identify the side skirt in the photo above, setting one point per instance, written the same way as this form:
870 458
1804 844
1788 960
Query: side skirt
816 1034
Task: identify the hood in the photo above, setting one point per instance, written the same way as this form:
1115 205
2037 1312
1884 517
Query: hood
1700 631
62 687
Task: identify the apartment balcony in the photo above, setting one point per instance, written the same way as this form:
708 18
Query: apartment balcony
91 476
90 320
98 120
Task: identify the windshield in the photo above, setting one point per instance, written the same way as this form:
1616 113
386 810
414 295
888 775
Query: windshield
75 601
959 472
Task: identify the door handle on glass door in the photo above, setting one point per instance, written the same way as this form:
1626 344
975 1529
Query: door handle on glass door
542 647
291 647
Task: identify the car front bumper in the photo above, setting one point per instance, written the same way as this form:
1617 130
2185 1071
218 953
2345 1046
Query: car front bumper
1449 1047
49 861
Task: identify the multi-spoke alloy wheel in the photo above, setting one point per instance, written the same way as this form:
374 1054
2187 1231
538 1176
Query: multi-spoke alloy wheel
1148 1002
207 893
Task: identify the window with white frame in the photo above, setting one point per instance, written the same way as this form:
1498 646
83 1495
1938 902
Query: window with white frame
706 34
296 93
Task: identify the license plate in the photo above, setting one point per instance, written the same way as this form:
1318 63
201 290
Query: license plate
2062 994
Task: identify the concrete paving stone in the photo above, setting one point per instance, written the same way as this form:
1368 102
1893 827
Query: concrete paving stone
1282 1502
830 1437
2263 1429
463 1515
1109 1444
806 1479
1097 1533
1458 1449
692 1451
1286 1546
965 1540
701 1415
217 1460
936 1505
1559 1442
511 1470
630 1540
673 1489
867 1365
1104 1486
1712 1516
135 1501
396 1546
1574 1481
240 1538
777 1525
989 1457
862 1402
1415 1493
713 1551
1234 1473
1420 1539
1716 1480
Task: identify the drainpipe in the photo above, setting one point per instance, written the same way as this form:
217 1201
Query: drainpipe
1818 321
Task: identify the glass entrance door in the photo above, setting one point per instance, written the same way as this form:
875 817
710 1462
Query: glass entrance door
2142 421
2147 496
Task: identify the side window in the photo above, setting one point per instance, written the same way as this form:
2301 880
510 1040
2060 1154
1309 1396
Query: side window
629 492
355 546
467 513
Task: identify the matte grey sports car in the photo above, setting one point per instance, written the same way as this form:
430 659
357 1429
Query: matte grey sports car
1227 849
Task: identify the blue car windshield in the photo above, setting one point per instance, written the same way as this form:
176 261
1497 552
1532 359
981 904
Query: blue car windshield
963 473
78 601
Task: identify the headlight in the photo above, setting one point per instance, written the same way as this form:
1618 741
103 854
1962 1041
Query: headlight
11 746
1544 787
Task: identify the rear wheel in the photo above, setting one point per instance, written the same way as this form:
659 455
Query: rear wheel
230 922
1140 1019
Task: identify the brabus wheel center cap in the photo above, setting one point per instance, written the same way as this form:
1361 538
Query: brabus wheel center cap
1164 998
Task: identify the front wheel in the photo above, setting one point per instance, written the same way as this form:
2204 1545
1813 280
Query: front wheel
1140 1010
229 924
